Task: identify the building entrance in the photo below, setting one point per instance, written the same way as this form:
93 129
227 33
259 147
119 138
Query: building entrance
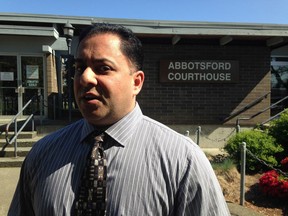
21 78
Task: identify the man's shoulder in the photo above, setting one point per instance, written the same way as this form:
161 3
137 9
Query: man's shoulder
73 127
60 137
169 143
161 130
159 126
67 131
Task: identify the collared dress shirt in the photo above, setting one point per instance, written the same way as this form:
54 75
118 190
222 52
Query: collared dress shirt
152 170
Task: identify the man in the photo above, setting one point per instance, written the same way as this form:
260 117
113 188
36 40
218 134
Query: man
151 169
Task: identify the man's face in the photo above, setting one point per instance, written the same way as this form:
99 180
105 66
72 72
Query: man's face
105 82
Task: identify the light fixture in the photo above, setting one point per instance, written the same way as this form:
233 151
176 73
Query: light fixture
68 31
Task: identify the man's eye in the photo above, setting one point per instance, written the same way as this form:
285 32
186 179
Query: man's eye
104 68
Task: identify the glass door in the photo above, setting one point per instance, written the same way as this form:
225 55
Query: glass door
21 78
32 83
8 85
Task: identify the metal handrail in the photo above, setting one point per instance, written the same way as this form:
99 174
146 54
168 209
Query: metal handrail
14 137
248 106
272 117
260 112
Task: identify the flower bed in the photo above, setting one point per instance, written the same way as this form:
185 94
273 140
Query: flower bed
274 184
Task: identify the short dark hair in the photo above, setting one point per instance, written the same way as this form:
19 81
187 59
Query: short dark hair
131 46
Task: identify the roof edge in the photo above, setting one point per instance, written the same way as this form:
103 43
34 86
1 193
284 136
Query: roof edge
62 19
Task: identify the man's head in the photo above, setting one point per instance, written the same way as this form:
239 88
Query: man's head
108 73
131 46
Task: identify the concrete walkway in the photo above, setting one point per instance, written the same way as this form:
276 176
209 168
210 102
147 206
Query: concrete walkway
9 178
8 181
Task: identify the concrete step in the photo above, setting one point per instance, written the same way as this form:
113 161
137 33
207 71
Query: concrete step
10 152
25 141
11 161
22 135
20 142
7 157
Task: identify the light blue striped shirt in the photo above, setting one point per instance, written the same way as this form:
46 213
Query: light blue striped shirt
152 170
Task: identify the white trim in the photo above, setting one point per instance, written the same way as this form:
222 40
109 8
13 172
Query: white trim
153 27
29 30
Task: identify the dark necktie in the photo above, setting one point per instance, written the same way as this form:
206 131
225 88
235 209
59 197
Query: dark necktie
92 192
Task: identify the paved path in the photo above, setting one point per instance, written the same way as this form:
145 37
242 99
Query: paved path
9 178
8 181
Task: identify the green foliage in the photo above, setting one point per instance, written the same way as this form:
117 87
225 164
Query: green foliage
259 144
279 130
224 165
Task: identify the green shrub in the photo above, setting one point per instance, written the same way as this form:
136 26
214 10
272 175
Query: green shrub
279 130
259 143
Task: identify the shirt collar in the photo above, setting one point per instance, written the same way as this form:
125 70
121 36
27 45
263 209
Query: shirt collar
121 131
87 129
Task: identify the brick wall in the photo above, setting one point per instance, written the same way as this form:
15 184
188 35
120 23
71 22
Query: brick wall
195 103
51 77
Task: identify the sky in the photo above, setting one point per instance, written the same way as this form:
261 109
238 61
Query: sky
239 11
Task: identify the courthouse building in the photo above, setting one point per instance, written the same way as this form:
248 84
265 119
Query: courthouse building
204 74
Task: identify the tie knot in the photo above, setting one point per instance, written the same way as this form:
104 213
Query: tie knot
99 138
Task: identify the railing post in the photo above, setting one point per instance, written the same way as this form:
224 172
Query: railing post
15 143
16 131
243 170
41 108
237 126
198 135
33 124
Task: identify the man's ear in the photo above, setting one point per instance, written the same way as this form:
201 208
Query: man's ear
138 78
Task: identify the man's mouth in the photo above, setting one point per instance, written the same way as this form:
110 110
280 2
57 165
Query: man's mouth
90 97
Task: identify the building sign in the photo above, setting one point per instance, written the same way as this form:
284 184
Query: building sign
32 83
199 71
6 76
32 71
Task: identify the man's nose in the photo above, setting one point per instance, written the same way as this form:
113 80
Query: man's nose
88 77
